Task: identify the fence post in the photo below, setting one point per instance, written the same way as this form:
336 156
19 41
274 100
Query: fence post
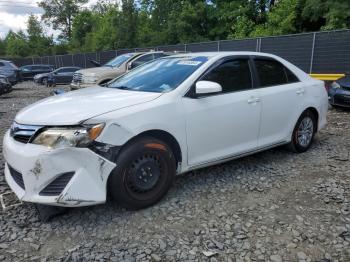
312 53
219 46
85 59
185 48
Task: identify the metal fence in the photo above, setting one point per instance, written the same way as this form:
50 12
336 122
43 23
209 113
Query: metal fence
322 52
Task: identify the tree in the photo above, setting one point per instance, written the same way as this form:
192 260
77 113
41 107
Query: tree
38 43
60 14
2 47
16 44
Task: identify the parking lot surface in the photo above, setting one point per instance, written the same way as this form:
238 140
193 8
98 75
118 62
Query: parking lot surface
275 205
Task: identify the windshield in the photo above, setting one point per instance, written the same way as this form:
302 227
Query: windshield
13 65
161 76
118 61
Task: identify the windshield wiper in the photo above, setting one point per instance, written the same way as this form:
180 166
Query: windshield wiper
122 87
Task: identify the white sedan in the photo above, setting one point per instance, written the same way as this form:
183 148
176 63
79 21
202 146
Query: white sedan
129 139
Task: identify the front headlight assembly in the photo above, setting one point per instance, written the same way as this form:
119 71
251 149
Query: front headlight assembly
3 80
60 137
335 85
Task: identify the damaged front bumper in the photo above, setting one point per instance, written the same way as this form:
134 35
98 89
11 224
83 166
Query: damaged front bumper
67 177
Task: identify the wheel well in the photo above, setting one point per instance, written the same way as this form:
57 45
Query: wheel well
315 113
104 81
166 138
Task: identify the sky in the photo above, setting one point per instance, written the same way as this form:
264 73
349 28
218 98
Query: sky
14 15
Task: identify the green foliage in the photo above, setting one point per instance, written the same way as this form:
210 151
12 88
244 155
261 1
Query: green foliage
60 14
147 23
38 43
16 44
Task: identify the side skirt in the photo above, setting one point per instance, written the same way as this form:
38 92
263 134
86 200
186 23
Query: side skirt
235 156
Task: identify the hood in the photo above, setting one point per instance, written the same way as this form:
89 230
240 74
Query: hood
344 81
98 71
75 107
41 75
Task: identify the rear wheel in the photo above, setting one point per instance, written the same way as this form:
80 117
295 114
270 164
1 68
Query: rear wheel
144 173
304 132
44 81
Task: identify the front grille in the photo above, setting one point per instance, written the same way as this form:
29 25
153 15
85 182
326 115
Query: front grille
23 133
56 187
77 77
17 176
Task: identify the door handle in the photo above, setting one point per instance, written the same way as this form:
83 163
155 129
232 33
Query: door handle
253 100
300 91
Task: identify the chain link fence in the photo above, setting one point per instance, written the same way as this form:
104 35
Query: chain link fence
322 52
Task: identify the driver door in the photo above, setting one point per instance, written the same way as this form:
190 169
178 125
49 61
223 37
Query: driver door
226 124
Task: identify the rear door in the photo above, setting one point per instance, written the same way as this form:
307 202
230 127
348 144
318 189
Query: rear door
225 124
281 94
66 75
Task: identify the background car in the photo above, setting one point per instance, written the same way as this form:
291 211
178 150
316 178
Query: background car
10 70
28 72
339 92
5 85
62 75
114 68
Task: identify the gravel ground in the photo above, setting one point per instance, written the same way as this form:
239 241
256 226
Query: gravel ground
274 205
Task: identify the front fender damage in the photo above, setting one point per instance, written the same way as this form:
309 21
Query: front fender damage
86 187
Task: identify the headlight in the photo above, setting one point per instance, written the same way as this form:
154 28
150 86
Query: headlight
68 137
3 80
335 85
90 79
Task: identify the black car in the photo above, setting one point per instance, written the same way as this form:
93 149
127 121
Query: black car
339 92
62 75
10 70
29 71
5 85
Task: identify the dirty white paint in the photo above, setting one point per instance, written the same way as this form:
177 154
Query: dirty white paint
39 166
209 129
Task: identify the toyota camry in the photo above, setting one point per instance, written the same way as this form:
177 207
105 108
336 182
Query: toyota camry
129 139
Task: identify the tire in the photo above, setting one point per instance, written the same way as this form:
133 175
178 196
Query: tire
44 81
144 173
308 125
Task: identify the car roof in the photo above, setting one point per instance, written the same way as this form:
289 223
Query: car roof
63 67
225 53
38 65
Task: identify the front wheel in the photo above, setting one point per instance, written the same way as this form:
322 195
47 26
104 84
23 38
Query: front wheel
144 173
304 132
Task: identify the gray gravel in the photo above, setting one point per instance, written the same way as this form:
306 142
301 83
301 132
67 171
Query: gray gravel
275 206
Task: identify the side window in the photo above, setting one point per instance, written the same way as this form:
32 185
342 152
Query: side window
232 75
159 55
143 59
290 76
64 70
270 72
2 64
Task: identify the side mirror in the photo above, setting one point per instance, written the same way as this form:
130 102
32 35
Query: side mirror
207 87
131 66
